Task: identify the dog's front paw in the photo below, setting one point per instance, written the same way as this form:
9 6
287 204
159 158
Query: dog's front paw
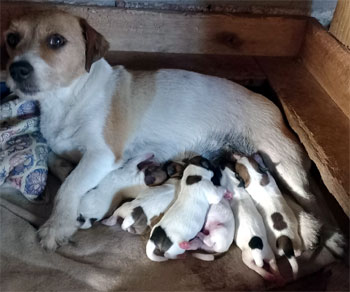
52 235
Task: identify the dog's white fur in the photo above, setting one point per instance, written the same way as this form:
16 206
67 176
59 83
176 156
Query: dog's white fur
153 201
249 223
309 226
166 112
127 184
186 217
220 224
270 200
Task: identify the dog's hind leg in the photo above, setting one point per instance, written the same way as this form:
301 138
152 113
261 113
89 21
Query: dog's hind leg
286 157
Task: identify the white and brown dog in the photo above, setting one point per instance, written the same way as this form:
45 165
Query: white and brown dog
250 235
280 221
101 116
170 237
138 214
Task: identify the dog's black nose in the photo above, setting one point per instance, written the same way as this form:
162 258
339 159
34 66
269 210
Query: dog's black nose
20 70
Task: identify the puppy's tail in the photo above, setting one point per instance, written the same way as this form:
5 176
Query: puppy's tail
150 249
256 245
285 243
258 257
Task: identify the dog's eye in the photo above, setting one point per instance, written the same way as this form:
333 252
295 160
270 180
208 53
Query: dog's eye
13 39
55 41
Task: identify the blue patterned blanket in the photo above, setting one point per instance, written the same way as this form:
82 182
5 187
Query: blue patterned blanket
23 150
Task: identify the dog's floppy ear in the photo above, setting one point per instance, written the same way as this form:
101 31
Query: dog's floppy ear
96 44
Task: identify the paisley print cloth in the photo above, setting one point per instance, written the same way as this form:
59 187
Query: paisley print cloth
23 150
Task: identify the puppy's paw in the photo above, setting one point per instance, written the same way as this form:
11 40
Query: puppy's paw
184 245
51 235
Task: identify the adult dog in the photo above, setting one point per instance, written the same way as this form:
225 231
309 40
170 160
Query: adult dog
102 116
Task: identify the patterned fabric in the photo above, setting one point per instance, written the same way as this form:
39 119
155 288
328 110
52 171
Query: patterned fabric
23 150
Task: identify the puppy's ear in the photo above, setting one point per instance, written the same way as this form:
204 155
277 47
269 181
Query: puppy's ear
96 44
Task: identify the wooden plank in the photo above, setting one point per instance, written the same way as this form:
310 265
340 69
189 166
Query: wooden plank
242 69
192 33
329 63
321 126
340 26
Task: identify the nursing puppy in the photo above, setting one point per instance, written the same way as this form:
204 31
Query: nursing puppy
138 214
128 182
281 223
218 232
250 234
100 117
186 217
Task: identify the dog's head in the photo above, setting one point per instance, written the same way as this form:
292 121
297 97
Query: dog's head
49 50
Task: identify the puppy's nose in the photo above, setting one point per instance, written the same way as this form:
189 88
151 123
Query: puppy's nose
20 70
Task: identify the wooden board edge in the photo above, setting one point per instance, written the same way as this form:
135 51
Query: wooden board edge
178 32
329 63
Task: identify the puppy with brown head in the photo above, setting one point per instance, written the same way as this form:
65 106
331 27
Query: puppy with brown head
138 214
280 221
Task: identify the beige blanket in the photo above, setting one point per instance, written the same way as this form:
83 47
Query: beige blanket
109 259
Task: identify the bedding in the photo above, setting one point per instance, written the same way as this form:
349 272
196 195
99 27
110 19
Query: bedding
23 150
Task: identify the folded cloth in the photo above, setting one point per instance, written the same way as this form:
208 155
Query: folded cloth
23 150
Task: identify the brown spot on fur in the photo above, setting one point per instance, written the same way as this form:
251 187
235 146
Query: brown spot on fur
174 169
242 171
192 179
155 175
140 220
278 221
156 219
265 178
129 103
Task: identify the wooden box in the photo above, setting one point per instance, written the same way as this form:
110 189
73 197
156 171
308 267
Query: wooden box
292 60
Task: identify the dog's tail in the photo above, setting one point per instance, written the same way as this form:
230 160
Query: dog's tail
285 243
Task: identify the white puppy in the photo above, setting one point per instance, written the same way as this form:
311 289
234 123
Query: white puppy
151 202
281 223
186 217
250 234
139 213
218 232
128 182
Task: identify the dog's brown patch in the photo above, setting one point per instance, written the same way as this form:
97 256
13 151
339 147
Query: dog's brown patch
155 175
140 220
156 219
174 169
242 171
192 179
131 99
265 178
278 221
